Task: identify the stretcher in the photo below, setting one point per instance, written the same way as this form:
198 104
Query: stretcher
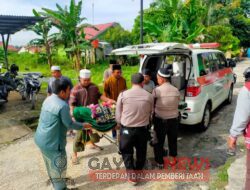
84 114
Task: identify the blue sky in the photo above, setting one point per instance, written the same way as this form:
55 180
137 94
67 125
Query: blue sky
122 11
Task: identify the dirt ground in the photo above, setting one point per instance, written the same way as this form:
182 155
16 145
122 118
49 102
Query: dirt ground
22 167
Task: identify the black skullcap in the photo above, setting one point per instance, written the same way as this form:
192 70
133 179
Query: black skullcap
137 78
168 66
116 67
164 72
146 72
247 74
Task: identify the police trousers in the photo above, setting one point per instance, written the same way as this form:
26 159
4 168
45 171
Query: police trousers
130 138
163 128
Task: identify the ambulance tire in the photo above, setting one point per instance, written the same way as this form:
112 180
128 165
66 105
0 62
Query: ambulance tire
230 95
204 124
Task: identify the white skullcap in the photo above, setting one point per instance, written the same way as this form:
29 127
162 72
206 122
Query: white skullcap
85 73
55 68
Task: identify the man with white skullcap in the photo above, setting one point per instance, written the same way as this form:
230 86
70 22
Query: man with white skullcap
84 94
166 115
56 74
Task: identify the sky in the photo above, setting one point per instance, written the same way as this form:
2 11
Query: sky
104 11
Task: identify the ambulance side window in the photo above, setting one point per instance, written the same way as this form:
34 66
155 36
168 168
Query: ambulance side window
203 62
222 60
213 62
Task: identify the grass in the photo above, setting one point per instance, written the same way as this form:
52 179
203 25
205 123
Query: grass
221 179
34 63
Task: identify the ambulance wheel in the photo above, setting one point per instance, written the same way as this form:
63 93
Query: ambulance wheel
230 95
206 118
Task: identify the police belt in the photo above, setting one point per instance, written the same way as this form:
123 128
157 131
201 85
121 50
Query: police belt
173 119
134 128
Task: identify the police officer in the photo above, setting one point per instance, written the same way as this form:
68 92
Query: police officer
241 122
133 110
166 115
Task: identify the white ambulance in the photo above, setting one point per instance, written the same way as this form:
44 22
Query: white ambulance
204 76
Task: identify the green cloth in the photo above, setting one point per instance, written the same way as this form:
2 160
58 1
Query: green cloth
83 114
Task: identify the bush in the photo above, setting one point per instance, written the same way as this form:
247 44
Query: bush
224 36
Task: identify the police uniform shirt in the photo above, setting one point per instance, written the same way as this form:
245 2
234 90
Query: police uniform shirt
167 99
134 107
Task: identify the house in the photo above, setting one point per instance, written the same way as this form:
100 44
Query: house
92 33
10 47
30 49
102 49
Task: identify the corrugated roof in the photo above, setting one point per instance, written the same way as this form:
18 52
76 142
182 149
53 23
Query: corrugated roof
91 33
10 24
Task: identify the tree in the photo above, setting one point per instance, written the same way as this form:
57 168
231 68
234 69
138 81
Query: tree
1 55
174 21
215 13
68 22
224 36
240 21
42 29
117 37
233 14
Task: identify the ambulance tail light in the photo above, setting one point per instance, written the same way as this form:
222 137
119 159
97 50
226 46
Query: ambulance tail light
193 89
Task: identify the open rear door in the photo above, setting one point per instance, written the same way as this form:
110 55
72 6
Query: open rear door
145 49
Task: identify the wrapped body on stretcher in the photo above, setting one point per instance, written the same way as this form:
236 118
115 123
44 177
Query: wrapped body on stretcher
102 119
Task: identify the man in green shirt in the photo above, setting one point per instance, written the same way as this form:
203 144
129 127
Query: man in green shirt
50 135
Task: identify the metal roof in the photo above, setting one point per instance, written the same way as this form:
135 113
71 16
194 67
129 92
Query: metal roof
11 24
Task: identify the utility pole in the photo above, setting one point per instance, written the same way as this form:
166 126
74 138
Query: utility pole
93 13
141 23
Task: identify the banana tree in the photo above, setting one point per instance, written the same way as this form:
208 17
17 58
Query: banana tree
68 21
182 21
42 29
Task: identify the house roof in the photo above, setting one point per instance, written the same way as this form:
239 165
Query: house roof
92 33
10 47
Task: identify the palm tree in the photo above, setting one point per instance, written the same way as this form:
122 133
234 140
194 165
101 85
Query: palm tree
68 21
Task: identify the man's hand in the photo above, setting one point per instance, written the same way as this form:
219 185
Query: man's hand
73 119
110 101
118 126
231 141
87 126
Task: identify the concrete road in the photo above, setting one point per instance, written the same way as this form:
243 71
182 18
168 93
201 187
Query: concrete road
22 167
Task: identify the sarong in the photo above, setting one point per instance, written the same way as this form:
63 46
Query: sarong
56 165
